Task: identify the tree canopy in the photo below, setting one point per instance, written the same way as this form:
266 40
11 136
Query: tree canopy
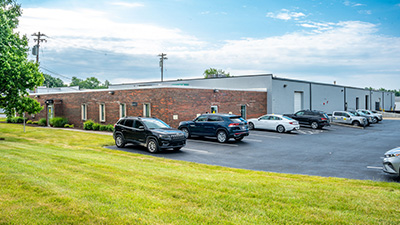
17 74
214 73
51 82
89 83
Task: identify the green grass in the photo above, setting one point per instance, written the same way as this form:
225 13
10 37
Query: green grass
50 176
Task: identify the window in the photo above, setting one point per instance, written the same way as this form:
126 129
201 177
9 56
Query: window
84 112
146 110
102 113
122 110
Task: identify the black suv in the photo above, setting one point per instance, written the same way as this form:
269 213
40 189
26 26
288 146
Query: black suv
222 126
148 132
314 118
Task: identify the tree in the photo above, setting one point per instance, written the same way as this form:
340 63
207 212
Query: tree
17 74
51 82
213 73
89 83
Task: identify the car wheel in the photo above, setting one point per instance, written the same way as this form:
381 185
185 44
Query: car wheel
186 131
222 136
377 119
119 141
356 123
314 125
374 120
251 126
152 145
280 129
239 138
177 149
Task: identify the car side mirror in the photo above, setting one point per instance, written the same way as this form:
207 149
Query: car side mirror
259 119
141 127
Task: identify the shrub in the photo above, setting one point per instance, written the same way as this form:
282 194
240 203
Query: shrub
35 122
29 122
69 125
110 128
96 126
58 121
17 119
9 119
103 127
42 122
88 125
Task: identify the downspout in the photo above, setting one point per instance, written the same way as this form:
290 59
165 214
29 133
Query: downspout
310 97
344 98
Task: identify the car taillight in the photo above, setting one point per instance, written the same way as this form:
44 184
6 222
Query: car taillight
323 118
291 123
234 124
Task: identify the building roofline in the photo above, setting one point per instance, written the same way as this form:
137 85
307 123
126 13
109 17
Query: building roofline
148 87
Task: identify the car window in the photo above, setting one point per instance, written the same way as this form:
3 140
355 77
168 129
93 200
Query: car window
215 118
155 124
121 122
351 114
264 118
275 118
137 124
236 119
201 119
300 113
129 123
309 113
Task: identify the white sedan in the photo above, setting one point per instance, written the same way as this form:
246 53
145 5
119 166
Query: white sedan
274 122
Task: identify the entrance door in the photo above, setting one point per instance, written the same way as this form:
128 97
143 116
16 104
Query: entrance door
50 113
298 101
357 103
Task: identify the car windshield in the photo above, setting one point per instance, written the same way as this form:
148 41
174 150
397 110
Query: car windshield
352 114
237 119
288 118
155 124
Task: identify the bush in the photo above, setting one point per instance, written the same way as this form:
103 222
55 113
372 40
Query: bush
88 125
9 119
35 122
110 128
96 126
103 127
69 125
29 122
58 121
17 119
42 122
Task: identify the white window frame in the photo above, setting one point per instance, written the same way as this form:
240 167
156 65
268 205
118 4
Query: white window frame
84 112
145 109
122 110
102 112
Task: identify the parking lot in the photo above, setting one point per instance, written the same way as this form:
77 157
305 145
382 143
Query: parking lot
335 151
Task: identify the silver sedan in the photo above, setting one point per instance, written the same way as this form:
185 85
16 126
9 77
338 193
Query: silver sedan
391 161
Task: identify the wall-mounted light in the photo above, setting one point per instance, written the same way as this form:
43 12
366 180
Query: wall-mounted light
111 92
285 85
341 90
216 90
37 96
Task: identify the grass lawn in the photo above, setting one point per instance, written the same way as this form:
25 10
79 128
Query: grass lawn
50 176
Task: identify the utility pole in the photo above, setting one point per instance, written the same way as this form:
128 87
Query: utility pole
162 57
36 47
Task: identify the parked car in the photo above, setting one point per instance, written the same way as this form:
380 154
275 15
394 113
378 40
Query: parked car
314 118
151 133
391 162
222 126
370 119
348 118
376 116
275 122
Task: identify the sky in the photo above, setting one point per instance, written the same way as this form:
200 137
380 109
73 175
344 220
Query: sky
355 43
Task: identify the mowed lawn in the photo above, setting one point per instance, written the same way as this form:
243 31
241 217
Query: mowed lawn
52 176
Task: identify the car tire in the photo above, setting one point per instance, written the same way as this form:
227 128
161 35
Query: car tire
356 123
377 119
251 126
152 145
314 125
119 141
280 129
374 120
186 131
222 137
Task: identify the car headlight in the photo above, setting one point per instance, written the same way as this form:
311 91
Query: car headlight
164 136
392 155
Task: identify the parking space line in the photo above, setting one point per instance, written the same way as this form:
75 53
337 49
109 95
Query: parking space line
213 143
259 135
254 140
375 167
196 150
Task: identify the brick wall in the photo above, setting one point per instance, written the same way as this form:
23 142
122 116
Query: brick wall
185 103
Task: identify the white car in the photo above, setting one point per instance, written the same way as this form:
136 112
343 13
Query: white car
274 122
376 117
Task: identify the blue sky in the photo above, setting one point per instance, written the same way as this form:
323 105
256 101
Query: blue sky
355 43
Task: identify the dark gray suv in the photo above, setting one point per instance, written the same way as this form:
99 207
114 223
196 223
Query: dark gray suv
151 133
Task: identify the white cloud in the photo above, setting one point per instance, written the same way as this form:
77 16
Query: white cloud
352 4
286 14
127 4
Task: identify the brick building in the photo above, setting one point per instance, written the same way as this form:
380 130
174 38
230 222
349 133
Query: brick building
171 104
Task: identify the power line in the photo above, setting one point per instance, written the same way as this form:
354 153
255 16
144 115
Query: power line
162 57
55 73
36 47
